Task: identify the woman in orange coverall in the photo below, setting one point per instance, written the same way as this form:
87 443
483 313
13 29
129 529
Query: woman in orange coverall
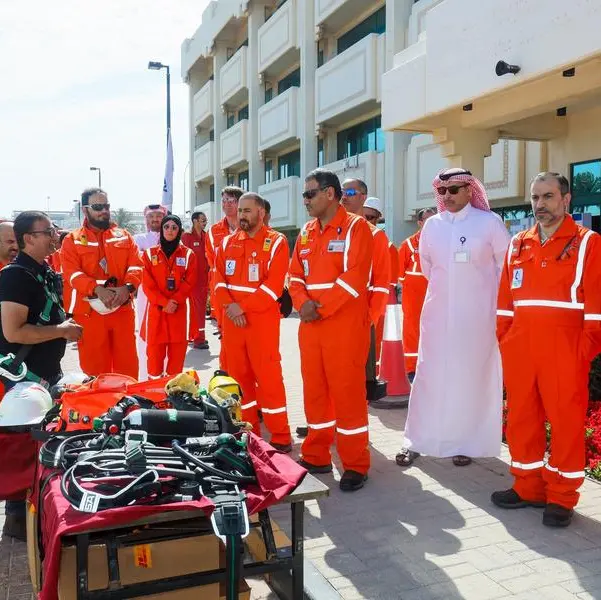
168 281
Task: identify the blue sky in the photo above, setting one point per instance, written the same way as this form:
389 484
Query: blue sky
76 92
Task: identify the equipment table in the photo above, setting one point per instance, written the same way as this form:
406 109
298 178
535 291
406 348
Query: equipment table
286 565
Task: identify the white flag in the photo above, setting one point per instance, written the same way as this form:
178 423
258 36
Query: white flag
168 179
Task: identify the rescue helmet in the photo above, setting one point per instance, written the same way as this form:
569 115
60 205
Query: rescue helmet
24 404
100 308
228 384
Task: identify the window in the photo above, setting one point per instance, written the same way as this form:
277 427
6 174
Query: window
268 94
585 182
268 171
212 135
212 193
292 80
320 53
320 153
231 119
514 213
243 113
230 180
198 141
244 43
364 137
375 23
243 180
289 165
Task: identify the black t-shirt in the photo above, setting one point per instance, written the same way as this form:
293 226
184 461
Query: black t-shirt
19 286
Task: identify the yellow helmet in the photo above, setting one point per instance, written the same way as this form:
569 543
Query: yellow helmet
223 381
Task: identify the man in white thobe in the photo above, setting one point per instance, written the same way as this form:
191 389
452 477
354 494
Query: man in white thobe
456 399
153 214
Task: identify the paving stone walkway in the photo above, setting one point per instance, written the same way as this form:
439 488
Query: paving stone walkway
424 533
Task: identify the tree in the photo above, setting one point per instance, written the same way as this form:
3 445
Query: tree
123 218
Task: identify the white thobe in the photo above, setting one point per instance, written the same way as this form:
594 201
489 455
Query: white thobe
455 407
143 241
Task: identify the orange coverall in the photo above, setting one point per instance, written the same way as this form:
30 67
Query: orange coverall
393 275
197 243
89 257
167 334
549 328
331 266
414 285
251 272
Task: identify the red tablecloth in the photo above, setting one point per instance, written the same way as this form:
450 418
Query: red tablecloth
18 456
277 476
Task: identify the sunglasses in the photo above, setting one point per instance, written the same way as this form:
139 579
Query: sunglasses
100 207
452 189
350 192
308 194
50 232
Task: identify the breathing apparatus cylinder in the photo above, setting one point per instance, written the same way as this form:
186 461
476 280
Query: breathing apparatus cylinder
167 423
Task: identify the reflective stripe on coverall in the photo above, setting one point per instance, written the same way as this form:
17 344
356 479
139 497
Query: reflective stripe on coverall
168 334
332 267
393 281
89 257
549 328
414 285
251 273
197 243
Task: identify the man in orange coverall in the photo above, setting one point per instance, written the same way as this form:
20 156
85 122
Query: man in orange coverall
549 328
101 271
196 241
413 292
169 277
250 268
329 278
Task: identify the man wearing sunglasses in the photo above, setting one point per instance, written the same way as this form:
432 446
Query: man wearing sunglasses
455 402
329 277
102 270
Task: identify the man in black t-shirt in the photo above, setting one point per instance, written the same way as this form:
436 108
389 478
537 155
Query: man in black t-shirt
31 315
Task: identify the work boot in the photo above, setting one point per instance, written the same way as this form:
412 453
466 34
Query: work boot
14 527
201 345
283 448
556 515
351 481
511 499
315 469
302 432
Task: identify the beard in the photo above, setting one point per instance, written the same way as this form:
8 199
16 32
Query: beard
99 223
245 225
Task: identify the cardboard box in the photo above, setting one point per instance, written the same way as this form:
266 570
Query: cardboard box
243 591
33 555
146 562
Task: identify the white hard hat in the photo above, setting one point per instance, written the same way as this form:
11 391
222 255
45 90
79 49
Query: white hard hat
72 378
374 203
99 307
24 404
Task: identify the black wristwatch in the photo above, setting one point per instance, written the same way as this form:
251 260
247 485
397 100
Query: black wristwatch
131 288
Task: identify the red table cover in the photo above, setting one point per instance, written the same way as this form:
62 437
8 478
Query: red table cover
18 453
277 476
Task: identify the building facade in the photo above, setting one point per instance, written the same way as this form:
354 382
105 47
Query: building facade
279 87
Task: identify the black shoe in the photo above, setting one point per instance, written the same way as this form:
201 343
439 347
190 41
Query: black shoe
405 457
14 527
283 448
202 345
313 469
260 415
556 515
302 432
411 376
351 481
510 499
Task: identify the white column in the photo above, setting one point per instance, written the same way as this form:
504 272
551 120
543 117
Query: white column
256 97
219 124
190 184
306 111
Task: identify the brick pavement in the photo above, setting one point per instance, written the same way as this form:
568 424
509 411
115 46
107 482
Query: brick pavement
423 533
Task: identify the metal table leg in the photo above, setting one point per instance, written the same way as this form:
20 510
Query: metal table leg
298 554
82 545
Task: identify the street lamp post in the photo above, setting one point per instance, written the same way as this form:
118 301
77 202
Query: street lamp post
157 66
99 175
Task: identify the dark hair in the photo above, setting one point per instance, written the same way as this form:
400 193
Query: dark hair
88 193
562 181
421 213
232 190
62 235
360 183
197 214
25 222
325 179
259 200
267 207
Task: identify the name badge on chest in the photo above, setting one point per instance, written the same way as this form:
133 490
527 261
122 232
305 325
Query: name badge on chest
462 255
180 261
518 279
336 246
230 267
103 264
196 244
253 272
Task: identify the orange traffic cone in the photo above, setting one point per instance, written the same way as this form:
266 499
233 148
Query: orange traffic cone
392 361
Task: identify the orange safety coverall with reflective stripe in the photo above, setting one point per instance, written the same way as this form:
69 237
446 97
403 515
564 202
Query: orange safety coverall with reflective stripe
414 285
167 334
331 267
393 255
214 239
251 272
197 243
89 257
549 328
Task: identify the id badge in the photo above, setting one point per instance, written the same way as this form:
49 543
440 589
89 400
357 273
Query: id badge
180 261
103 265
462 256
518 279
230 267
306 267
170 284
253 272
336 246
